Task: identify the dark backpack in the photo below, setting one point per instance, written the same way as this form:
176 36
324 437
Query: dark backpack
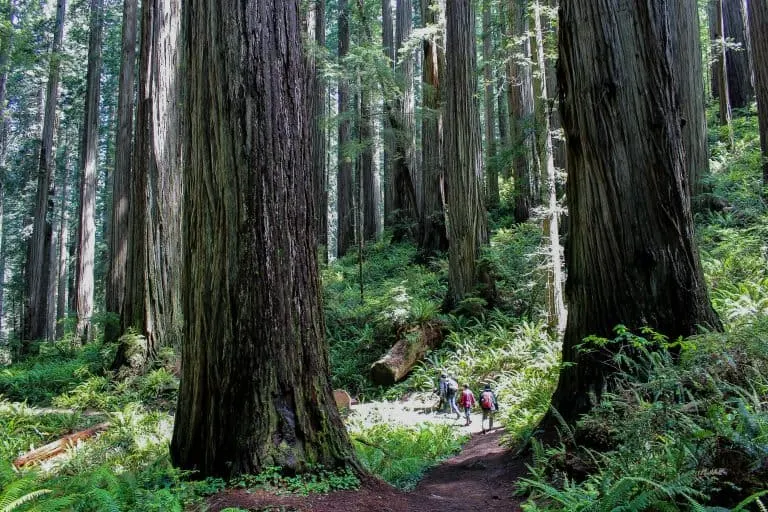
486 400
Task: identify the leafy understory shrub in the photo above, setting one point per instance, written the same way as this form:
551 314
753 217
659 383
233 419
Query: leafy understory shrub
401 455
318 479
683 432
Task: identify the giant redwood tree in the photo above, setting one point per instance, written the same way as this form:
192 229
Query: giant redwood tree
631 259
758 21
467 219
255 388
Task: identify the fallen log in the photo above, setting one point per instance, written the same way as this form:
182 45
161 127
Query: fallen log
405 353
49 450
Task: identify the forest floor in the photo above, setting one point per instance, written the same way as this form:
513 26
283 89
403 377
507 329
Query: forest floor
480 478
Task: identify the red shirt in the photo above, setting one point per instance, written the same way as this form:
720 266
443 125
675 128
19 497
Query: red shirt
467 398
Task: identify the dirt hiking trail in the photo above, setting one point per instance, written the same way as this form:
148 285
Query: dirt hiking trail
481 478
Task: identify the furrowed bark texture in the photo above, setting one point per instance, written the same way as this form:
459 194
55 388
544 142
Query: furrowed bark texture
434 235
39 264
255 388
467 221
758 33
153 298
388 42
121 178
632 257
740 89
689 72
89 161
368 196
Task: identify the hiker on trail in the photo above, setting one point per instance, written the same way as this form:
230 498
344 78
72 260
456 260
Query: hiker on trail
467 401
489 405
452 388
442 392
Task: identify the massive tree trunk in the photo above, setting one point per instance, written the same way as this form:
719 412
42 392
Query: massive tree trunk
520 93
556 314
153 297
740 90
89 160
119 230
38 263
405 212
632 258
434 235
758 21
345 236
689 75
491 173
255 388
467 220
316 98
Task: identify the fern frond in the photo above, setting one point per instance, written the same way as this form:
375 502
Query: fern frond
16 503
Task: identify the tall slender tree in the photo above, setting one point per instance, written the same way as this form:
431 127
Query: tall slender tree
317 85
345 236
152 304
758 21
255 388
632 257
491 174
520 93
38 260
738 72
119 232
434 234
467 220
89 161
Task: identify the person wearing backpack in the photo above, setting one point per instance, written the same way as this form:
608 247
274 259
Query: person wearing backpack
467 401
489 405
442 392
452 388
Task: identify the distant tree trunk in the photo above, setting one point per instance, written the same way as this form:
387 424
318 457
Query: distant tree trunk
715 23
740 90
62 294
317 87
556 315
367 170
153 297
758 21
38 263
632 257
467 221
492 175
404 203
89 161
5 52
724 94
556 126
388 42
255 388
434 235
344 180
119 231
520 93
502 86
689 72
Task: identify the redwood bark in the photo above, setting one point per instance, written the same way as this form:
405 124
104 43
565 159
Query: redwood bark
316 108
255 388
467 220
434 234
492 175
153 297
632 258
740 90
89 160
345 236
521 110
39 263
119 231
758 33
